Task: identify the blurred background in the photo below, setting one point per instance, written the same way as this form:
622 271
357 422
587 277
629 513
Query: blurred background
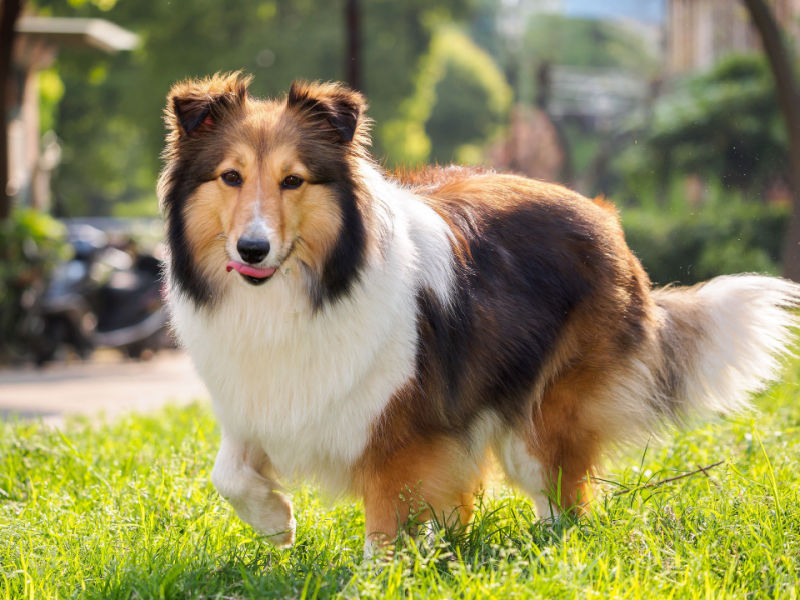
683 113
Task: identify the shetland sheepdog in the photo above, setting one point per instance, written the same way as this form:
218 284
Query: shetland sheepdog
385 335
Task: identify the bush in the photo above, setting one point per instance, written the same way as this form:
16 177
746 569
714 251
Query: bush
724 126
694 244
31 243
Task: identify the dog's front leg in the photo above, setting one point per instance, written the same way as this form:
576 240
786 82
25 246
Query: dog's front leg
243 475
425 479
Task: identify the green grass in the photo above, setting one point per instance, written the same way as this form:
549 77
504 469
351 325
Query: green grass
126 510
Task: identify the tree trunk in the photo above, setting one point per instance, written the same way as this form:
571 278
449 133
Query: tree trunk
353 57
789 101
9 11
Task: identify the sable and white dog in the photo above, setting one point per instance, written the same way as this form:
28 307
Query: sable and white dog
382 334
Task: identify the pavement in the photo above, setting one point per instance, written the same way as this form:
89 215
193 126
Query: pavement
104 387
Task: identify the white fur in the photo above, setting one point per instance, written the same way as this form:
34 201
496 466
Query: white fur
748 330
429 234
524 471
242 476
743 327
304 386
258 227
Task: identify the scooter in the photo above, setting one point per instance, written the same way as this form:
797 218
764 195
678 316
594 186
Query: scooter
101 297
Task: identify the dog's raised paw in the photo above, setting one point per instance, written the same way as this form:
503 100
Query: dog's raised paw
285 538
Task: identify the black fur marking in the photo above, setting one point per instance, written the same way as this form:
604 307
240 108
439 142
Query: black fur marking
337 109
512 300
184 178
344 119
344 263
328 116
328 166
191 112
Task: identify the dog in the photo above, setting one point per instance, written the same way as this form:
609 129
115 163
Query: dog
385 335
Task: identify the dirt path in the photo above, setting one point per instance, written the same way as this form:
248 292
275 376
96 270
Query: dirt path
105 386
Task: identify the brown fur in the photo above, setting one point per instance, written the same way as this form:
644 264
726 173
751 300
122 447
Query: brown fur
421 477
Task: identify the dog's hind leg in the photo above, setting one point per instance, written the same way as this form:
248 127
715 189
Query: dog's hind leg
525 471
553 457
566 440
243 475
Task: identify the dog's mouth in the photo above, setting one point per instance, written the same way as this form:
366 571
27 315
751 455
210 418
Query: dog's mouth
254 275
251 275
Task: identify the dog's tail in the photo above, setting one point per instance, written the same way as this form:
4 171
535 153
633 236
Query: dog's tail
719 342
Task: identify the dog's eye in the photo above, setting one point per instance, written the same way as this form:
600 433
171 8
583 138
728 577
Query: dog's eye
232 178
291 182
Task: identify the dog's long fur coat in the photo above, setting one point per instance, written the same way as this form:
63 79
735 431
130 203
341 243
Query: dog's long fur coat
384 334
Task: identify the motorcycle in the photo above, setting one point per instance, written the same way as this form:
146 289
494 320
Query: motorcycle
101 297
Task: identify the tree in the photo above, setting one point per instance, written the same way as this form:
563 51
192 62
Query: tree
789 100
9 11
353 56
460 101
109 118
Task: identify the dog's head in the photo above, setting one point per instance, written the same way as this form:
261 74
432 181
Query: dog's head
251 185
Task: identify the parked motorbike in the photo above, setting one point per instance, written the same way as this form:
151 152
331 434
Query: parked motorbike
101 297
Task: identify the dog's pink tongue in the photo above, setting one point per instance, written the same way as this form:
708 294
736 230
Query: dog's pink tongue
249 271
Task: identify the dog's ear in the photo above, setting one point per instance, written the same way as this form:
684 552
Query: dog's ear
196 106
333 106
191 111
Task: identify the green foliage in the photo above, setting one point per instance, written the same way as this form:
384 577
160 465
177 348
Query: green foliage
144 207
104 5
110 116
587 43
691 244
31 243
724 125
126 511
51 90
461 99
472 99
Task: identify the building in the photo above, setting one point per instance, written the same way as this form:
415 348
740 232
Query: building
31 158
700 32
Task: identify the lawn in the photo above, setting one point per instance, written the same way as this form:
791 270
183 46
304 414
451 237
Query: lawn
126 510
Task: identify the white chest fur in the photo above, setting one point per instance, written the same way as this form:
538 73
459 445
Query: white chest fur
307 386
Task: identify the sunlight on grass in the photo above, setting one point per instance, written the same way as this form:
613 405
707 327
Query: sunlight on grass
126 510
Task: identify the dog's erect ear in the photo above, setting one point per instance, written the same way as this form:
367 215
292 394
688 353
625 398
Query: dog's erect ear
192 111
196 105
335 105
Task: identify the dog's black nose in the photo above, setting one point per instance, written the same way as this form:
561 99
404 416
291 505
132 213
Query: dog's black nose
252 250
